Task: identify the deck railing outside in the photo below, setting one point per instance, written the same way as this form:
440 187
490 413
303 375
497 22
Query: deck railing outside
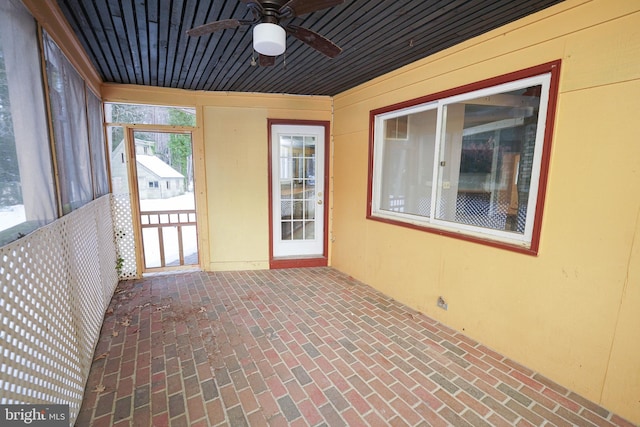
174 241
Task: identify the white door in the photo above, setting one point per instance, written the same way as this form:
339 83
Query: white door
297 162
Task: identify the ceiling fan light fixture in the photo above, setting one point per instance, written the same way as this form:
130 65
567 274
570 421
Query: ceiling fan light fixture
269 39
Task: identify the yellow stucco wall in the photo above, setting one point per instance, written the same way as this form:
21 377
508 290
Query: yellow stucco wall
237 168
571 312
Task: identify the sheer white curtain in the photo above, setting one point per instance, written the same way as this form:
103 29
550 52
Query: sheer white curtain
71 134
19 46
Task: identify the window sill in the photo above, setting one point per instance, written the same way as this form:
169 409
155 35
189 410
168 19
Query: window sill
523 248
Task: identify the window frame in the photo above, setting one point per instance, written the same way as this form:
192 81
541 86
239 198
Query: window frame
530 240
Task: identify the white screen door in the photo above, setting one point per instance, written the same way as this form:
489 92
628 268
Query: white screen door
297 162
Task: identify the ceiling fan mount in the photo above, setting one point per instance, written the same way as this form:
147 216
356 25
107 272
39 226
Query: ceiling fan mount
269 32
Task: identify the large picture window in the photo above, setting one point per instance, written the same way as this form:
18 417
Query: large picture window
469 162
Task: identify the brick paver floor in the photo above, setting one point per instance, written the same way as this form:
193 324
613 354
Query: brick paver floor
303 347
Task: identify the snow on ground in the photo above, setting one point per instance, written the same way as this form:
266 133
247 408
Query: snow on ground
186 201
169 234
11 215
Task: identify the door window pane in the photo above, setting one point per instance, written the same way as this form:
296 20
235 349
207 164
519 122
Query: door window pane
309 228
286 228
297 186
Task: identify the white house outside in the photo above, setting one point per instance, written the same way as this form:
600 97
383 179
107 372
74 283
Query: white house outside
156 179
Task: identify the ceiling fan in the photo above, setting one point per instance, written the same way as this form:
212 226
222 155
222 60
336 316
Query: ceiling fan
269 35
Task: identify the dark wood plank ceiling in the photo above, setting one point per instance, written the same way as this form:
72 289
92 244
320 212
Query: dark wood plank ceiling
144 42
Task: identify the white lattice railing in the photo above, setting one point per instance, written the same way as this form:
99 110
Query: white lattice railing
55 285
125 241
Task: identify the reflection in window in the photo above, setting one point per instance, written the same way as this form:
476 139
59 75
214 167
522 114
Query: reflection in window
297 187
397 127
407 166
492 184
468 164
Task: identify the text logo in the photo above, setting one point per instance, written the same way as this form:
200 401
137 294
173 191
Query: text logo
34 415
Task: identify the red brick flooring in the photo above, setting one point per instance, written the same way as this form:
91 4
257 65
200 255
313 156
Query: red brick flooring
303 347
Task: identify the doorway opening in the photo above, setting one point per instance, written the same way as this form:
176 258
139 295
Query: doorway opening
164 200
157 182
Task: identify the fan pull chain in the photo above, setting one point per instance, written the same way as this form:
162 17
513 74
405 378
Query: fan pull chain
253 59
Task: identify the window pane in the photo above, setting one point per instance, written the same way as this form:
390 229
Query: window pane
310 213
487 156
286 230
27 195
71 137
149 114
397 127
96 143
407 164
309 230
119 161
467 165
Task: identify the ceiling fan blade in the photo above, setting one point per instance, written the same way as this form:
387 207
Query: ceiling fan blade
225 24
266 61
315 40
300 7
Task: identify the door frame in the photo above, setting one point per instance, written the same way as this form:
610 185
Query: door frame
199 192
302 261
